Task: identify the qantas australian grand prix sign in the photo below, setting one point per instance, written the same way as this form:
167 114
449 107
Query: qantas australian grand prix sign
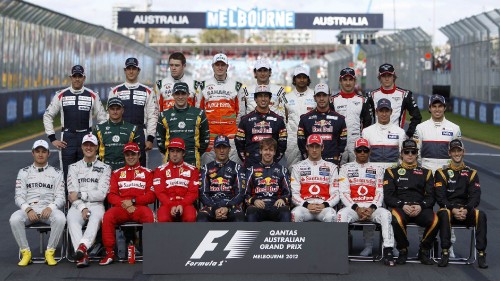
253 19
245 248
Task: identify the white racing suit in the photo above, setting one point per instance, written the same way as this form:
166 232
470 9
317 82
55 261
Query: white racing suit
296 104
361 185
385 142
432 139
39 188
92 181
356 111
314 182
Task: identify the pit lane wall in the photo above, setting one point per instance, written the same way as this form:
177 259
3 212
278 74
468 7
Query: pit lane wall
38 47
483 112
238 248
22 106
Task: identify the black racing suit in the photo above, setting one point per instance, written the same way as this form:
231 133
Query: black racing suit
253 128
222 185
330 126
459 188
268 183
411 185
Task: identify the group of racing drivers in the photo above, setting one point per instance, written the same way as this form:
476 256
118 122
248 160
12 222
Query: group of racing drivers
231 146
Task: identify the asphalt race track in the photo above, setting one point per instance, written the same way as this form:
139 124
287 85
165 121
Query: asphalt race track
484 158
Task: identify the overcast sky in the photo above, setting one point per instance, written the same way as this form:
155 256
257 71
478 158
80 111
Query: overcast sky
428 14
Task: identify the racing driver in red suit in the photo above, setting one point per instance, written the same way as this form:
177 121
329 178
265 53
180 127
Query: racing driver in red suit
176 185
129 193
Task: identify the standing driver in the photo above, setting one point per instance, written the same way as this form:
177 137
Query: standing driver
141 106
77 104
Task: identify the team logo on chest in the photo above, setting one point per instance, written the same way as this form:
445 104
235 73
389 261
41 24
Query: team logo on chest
182 125
115 138
450 173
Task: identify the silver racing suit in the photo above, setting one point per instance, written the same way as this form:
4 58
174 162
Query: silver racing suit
91 181
39 188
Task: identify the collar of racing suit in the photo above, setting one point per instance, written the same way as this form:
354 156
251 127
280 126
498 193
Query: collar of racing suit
132 85
177 80
409 166
90 164
111 123
137 165
347 95
390 91
40 169
384 127
438 123
267 165
314 163
458 167
263 113
76 92
220 164
323 112
181 109
176 165
219 82
301 93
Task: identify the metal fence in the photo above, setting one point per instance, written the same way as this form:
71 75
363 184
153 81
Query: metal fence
405 50
38 47
337 61
475 57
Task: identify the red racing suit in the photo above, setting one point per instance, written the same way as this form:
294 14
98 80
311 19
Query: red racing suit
127 183
176 184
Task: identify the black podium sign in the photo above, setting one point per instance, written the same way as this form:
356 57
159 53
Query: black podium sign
266 247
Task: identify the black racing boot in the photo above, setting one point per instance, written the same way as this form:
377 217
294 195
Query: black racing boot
445 258
388 257
481 259
403 256
425 257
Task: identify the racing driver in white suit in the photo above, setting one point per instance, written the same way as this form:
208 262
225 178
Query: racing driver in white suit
297 102
361 192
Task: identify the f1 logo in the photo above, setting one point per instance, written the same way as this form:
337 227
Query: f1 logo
237 246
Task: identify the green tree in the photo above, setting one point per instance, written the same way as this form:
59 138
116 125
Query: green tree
218 36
